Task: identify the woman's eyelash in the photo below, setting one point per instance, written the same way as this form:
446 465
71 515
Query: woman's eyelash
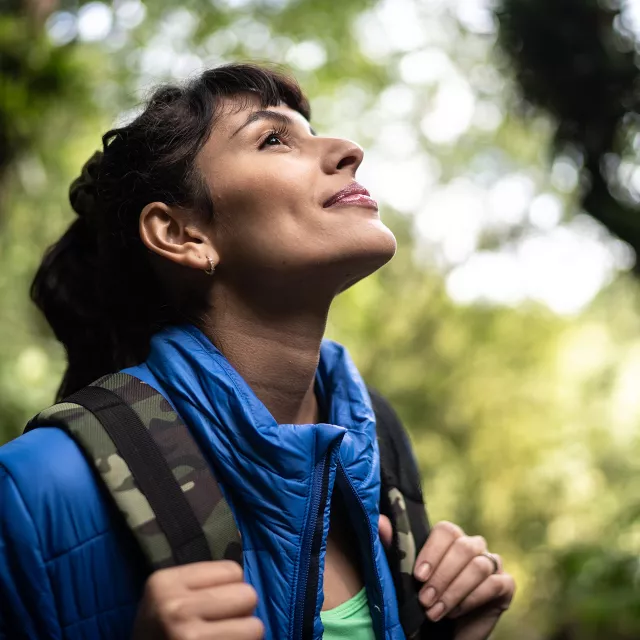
282 133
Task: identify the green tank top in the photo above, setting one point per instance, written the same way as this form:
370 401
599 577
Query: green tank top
351 620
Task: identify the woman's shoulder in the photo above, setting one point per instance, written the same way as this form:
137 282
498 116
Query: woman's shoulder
46 453
59 539
46 483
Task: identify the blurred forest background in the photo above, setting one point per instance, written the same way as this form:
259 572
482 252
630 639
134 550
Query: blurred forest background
503 141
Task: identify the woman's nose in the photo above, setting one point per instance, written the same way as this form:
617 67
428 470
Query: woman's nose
342 155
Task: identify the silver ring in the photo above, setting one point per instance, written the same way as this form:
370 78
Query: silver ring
494 561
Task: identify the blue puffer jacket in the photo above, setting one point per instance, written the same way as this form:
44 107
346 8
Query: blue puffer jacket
68 568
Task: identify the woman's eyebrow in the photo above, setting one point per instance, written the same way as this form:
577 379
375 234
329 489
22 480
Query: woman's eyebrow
265 114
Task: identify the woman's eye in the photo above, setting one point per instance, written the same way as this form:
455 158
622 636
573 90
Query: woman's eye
276 139
272 140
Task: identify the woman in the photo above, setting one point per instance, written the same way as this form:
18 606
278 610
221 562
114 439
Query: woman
218 217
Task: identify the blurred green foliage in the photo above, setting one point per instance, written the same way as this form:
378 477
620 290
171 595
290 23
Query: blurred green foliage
596 594
525 422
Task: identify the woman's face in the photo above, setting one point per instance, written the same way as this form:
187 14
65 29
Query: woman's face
275 188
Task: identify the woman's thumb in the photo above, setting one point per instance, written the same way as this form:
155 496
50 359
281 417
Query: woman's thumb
385 530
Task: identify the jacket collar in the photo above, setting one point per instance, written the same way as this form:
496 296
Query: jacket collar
215 400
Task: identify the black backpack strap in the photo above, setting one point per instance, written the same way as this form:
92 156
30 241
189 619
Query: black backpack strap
401 500
152 468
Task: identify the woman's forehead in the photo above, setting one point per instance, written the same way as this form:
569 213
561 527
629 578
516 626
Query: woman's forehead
236 111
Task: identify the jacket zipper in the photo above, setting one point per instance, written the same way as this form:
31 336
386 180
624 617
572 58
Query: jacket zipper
306 594
377 590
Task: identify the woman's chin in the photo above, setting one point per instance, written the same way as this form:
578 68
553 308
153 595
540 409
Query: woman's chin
368 260
378 247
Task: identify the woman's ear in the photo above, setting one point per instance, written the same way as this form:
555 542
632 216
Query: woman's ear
171 233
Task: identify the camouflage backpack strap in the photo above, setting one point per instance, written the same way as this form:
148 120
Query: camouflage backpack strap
152 467
402 502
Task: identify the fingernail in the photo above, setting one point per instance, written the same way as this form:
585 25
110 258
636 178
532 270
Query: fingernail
435 613
423 571
428 597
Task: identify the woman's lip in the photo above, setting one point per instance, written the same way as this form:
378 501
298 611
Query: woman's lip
351 189
355 199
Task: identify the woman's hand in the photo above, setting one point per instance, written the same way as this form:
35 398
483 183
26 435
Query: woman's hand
459 581
203 600
462 583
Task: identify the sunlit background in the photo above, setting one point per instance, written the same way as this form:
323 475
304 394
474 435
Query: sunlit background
507 329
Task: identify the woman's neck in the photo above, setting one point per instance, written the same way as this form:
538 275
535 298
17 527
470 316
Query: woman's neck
276 353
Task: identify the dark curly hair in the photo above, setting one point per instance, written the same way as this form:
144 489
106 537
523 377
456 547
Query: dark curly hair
95 285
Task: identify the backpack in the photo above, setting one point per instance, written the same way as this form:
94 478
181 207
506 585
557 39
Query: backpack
153 470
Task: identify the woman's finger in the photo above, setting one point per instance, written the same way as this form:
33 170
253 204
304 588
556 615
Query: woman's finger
462 553
217 603
472 575
442 536
233 629
386 531
196 575
497 590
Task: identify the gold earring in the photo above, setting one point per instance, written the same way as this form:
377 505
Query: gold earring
212 267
